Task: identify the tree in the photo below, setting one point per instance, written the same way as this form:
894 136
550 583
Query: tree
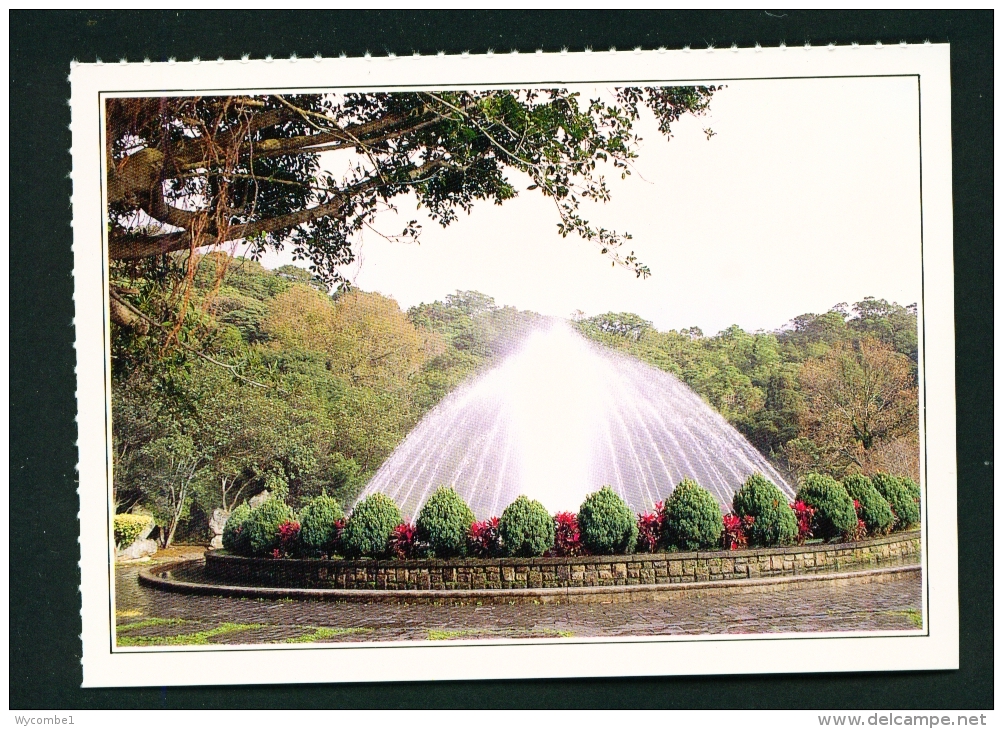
856 397
185 173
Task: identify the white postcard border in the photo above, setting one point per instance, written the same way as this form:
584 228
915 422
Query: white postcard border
934 648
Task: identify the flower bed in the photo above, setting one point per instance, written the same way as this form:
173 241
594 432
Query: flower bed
471 573
688 520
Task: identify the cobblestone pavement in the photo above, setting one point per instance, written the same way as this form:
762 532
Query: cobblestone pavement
147 616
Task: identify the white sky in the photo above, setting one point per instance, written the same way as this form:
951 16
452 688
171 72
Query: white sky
807 196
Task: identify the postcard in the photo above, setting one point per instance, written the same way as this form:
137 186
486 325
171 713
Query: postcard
515 365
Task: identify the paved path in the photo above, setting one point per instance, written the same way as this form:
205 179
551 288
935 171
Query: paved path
151 617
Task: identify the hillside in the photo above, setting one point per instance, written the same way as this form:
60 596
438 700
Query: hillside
266 381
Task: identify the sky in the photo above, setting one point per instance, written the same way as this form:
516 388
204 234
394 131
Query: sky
807 195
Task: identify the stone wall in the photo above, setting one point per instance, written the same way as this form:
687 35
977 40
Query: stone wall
564 572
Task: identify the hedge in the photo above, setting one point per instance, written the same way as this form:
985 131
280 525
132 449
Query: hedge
234 536
774 522
834 513
444 522
874 509
607 525
318 531
369 528
906 508
262 527
691 518
526 528
128 527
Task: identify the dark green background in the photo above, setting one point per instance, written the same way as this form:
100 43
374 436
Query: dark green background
44 599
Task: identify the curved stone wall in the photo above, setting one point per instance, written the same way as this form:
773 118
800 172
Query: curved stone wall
563 572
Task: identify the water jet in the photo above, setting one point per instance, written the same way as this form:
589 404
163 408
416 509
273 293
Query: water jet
559 417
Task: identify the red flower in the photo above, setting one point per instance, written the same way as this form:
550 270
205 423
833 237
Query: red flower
805 516
649 529
403 542
567 537
736 530
484 539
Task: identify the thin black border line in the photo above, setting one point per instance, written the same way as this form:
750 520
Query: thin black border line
103 94
502 85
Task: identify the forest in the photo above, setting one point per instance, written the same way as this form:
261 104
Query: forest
231 378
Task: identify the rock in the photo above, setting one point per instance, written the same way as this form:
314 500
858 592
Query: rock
140 549
146 532
216 524
256 501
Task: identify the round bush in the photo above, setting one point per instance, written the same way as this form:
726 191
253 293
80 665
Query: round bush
905 507
527 529
606 523
775 523
234 536
691 518
317 528
911 487
834 514
369 528
128 527
443 523
874 509
261 528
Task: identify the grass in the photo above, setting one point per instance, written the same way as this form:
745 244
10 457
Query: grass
199 638
325 633
149 622
915 616
440 634
128 613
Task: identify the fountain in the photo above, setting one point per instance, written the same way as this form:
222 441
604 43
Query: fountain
558 418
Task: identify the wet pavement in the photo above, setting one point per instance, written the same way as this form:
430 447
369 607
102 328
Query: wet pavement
147 616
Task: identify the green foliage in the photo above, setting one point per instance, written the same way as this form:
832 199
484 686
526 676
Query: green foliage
317 524
526 528
443 523
128 527
902 502
368 530
874 509
753 379
691 518
775 523
262 526
834 514
911 487
234 536
607 524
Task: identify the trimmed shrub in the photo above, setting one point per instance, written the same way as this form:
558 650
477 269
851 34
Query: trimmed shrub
607 524
649 529
774 523
526 529
567 535
128 527
874 510
369 528
691 518
319 525
443 523
899 499
234 534
262 527
834 514
484 539
911 487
